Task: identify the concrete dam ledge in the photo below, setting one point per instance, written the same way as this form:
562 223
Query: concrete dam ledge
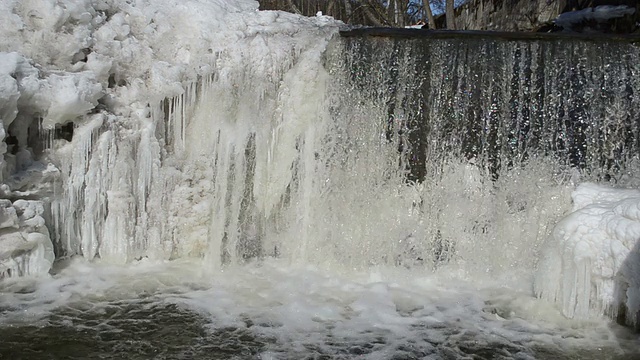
405 33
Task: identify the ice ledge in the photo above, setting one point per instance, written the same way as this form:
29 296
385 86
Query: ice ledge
25 246
591 262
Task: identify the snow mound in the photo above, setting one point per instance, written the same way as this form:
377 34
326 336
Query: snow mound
591 264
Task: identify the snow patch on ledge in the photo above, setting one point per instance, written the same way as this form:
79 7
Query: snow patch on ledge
591 264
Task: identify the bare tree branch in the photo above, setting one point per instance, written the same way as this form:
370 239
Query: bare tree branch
378 18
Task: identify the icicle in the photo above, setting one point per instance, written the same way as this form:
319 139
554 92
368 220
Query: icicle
67 209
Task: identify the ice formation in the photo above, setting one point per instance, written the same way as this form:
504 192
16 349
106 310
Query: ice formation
128 77
591 263
25 246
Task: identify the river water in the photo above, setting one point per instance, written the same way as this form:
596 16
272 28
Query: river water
271 310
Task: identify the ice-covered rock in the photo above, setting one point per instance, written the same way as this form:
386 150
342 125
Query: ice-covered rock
18 83
69 97
25 246
591 264
8 215
25 96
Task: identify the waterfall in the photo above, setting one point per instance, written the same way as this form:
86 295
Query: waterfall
502 102
426 152
497 133
450 155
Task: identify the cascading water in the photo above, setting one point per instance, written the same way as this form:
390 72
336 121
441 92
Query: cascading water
526 119
340 196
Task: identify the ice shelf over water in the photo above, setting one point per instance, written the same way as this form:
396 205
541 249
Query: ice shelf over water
169 129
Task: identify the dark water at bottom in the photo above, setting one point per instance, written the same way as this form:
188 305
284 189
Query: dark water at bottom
127 330
146 329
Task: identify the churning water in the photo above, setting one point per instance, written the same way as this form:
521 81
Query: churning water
271 310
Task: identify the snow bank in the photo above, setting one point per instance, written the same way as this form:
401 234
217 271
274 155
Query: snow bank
591 264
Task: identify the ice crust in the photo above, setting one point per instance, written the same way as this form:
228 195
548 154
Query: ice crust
591 263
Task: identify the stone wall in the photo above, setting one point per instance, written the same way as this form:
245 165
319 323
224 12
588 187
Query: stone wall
520 15
507 15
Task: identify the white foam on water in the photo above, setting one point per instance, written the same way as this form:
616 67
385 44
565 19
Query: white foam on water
384 311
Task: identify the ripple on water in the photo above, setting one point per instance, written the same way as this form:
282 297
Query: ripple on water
125 330
143 328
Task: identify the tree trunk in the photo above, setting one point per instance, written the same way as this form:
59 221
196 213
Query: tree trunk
330 7
348 10
427 9
391 11
451 16
400 15
293 7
